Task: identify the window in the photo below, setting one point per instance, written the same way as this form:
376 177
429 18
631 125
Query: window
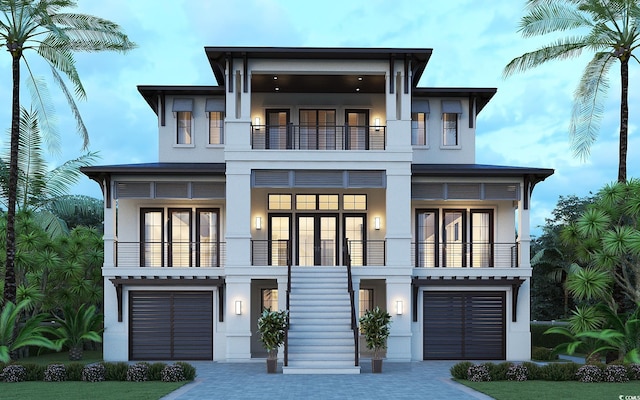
450 129
365 301
328 202
419 129
269 299
355 201
305 202
279 202
152 238
216 128
184 133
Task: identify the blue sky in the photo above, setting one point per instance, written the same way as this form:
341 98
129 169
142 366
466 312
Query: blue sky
526 123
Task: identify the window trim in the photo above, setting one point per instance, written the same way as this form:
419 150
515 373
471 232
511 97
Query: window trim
443 144
221 129
191 130
425 131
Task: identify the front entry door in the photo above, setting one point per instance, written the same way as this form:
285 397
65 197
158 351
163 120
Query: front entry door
317 239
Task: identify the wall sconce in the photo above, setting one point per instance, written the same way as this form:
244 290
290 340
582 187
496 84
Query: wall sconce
377 123
399 307
376 223
258 223
257 123
238 307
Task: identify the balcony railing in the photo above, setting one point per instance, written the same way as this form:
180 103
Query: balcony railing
169 254
312 137
279 252
465 254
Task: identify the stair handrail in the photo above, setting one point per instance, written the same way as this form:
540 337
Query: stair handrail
354 324
286 330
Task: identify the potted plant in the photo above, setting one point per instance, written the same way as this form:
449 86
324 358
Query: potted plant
272 326
374 325
77 326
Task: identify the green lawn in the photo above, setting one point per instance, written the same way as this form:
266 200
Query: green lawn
85 390
543 390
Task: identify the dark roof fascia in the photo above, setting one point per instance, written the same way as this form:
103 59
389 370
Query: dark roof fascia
190 169
150 93
477 170
218 55
483 95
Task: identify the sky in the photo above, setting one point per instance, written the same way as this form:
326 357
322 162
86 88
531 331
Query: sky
525 124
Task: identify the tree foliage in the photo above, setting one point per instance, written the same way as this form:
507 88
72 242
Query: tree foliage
607 28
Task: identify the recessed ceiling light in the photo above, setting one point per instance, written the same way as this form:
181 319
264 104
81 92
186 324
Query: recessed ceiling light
359 78
357 89
277 88
275 78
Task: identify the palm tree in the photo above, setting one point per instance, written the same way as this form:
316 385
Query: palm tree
610 28
55 35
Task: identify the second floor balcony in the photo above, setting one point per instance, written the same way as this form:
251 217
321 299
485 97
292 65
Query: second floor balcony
318 137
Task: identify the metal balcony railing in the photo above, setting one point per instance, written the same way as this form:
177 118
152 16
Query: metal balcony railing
465 254
169 254
320 137
279 252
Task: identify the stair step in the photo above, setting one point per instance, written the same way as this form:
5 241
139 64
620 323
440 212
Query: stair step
321 364
319 341
318 335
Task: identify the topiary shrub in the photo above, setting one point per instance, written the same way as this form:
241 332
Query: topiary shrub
74 371
589 373
35 372
459 370
172 373
155 371
634 371
517 372
615 373
543 354
188 370
93 373
559 371
116 371
478 373
55 373
14 373
138 372
498 372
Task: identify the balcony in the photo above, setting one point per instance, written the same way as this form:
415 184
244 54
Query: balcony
174 254
305 137
464 254
280 253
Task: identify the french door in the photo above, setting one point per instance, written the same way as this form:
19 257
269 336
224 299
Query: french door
355 232
427 235
317 130
279 236
278 130
453 237
317 242
357 135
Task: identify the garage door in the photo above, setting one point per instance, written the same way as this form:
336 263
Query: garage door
464 326
170 325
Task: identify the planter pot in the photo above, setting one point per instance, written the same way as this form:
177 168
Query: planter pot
272 365
376 366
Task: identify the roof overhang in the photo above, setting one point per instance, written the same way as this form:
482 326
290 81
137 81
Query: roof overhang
482 96
152 93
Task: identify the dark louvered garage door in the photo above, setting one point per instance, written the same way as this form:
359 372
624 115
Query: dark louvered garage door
464 325
171 325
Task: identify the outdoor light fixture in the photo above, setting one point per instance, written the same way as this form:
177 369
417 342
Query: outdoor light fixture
376 223
257 123
238 307
377 124
399 307
258 223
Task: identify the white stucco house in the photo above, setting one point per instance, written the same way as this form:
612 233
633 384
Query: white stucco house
295 164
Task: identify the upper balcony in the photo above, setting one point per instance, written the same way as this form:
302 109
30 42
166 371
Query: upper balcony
318 137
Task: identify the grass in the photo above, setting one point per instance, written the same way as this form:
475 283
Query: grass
152 390
85 390
542 390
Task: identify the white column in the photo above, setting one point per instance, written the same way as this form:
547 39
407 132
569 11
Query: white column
399 342
238 326
398 216
238 216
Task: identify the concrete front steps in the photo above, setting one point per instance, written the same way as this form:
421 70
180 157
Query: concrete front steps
320 335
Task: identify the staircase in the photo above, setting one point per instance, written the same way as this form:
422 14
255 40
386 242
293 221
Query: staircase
320 335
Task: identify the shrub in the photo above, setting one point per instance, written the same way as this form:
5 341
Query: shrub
459 370
55 373
543 354
93 373
155 371
517 372
634 371
589 373
138 372
14 373
35 372
534 371
172 373
478 373
188 370
498 372
74 371
615 373
116 371
559 371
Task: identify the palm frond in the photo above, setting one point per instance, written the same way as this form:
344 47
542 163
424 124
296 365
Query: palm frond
59 180
561 49
45 110
546 17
